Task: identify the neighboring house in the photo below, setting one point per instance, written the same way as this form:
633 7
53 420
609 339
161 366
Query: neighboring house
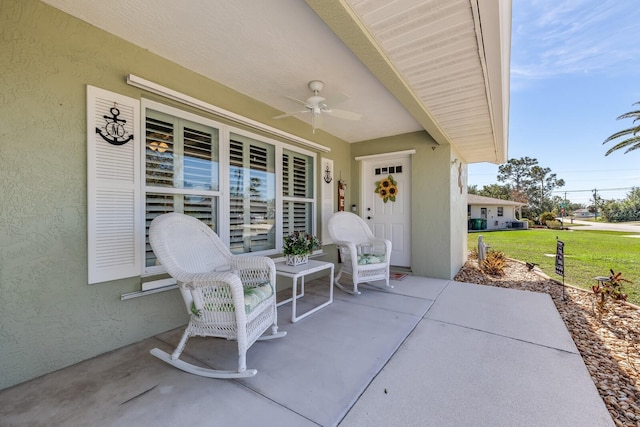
583 213
189 92
496 214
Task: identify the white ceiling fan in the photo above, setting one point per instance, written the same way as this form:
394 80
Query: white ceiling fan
316 106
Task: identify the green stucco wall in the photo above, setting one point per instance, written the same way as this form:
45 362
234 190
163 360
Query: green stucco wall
49 316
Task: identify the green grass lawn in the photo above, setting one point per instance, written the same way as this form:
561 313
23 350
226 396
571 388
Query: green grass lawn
587 254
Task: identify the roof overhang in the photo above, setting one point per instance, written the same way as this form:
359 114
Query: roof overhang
446 61
406 65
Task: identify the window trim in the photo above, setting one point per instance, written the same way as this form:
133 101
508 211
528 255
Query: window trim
224 139
147 104
279 148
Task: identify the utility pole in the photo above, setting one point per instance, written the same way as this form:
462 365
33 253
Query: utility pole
595 201
563 207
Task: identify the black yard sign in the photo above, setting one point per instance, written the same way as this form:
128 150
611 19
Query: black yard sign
560 264
560 258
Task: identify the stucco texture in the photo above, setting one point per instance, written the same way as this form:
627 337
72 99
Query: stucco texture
49 316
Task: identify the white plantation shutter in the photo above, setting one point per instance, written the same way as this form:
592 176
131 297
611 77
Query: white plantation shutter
251 195
297 191
113 186
181 172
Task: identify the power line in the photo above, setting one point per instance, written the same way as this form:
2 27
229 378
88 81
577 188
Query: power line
592 190
571 171
597 170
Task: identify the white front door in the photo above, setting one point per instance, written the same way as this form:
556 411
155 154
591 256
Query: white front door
391 219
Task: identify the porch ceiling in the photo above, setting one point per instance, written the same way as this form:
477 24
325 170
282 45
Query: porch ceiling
406 65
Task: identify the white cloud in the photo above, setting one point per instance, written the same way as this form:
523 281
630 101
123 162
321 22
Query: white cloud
553 38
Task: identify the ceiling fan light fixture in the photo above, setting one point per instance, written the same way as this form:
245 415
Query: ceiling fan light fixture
316 105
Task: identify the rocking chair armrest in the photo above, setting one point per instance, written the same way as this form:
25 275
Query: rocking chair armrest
381 242
349 245
214 278
349 251
196 288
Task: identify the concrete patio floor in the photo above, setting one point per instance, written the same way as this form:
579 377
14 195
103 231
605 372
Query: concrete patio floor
427 353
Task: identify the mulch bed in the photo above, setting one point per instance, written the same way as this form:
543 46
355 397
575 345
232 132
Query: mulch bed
610 347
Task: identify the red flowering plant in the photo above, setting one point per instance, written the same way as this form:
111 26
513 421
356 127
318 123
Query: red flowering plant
609 289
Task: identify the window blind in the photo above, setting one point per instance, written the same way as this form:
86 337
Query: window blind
181 171
297 189
252 195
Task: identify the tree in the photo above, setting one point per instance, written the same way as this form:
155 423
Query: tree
627 209
633 141
517 171
543 182
531 184
496 191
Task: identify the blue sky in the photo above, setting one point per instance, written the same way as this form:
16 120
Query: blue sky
575 67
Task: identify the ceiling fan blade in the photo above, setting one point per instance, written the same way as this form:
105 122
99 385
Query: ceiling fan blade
336 99
342 114
290 114
299 101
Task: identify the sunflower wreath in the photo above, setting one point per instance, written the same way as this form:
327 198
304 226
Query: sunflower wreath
387 189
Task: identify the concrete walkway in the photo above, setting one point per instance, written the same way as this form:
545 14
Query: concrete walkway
428 353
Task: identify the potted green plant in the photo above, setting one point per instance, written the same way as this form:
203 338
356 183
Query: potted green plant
298 246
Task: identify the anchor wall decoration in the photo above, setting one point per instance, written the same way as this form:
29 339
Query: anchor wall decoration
327 175
114 131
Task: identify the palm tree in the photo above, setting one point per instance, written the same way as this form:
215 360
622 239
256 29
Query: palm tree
632 142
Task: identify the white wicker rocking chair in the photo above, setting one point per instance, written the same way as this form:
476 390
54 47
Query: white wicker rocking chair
227 296
363 256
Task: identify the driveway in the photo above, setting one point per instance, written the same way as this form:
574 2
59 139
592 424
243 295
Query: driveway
627 227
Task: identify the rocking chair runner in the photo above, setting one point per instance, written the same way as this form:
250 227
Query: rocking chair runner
363 256
227 296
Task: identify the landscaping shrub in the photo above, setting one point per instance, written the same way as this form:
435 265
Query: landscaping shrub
494 263
546 216
611 288
473 253
555 225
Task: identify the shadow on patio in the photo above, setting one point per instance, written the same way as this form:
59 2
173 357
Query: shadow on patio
429 352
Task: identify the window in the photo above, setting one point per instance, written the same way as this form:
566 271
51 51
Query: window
500 211
228 178
298 201
252 195
181 172
251 190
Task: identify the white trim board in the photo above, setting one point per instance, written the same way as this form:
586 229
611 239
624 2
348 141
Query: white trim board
385 155
150 86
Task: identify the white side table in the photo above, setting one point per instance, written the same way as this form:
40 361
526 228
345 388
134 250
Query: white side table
299 272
